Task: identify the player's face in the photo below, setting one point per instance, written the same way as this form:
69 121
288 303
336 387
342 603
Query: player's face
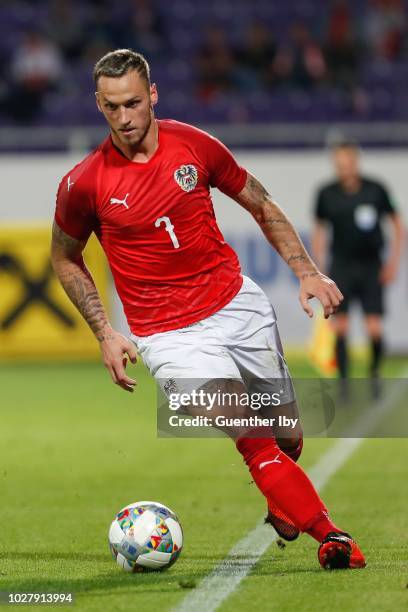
346 163
127 105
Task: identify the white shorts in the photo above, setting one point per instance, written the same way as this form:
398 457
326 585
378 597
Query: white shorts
241 342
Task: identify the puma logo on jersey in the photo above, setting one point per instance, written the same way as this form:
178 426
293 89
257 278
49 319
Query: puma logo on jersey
120 202
69 183
186 177
276 460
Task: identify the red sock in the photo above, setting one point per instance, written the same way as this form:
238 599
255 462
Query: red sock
320 526
286 484
294 453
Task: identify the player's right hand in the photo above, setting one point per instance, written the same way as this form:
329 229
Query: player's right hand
324 289
114 348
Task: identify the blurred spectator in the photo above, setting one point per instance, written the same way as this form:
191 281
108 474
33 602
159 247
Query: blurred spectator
341 49
100 26
37 62
36 68
145 31
384 29
300 62
215 64
65 29
256 55
281 69
308 62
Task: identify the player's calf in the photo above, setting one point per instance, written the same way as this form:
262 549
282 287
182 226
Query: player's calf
282 524
284 527
284 484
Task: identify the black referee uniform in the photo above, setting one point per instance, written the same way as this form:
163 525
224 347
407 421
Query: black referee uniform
357 241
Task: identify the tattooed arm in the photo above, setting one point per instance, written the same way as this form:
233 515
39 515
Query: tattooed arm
281 234
69 266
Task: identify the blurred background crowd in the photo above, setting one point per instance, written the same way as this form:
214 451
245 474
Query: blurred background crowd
215 61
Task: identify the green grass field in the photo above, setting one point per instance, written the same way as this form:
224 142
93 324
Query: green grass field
75 449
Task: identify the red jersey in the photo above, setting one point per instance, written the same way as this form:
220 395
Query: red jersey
156 224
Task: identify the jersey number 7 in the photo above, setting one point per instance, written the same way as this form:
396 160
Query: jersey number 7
169 228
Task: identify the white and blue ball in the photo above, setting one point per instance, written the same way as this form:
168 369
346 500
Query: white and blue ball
145 536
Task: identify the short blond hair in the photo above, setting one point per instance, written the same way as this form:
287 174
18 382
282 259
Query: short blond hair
119 62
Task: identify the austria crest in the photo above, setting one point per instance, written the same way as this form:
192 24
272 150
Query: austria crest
186 177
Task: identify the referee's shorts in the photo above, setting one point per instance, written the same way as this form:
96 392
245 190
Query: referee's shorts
359 282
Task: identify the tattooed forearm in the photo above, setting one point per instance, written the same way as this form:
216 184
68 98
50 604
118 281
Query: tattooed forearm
276 226
275 221
81 289
78 283
294 258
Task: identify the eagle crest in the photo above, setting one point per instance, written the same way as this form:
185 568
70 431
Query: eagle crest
186 177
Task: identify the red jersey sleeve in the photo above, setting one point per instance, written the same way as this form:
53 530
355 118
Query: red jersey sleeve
75 211
224 172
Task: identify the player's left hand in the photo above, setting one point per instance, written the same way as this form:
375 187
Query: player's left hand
324 289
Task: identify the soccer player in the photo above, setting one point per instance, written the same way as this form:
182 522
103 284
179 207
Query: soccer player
352 208
145 192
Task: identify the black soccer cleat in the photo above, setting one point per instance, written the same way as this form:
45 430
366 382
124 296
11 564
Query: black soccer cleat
340 551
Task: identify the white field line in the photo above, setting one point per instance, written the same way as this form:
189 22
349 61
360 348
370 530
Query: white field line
215 588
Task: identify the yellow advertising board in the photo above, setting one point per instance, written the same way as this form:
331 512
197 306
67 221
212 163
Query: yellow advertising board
37 320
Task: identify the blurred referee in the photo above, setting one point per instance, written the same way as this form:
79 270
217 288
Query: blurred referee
352 209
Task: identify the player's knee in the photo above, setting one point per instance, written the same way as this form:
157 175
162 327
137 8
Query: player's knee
292 447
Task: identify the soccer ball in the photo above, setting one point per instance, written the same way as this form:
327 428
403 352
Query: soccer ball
145 536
